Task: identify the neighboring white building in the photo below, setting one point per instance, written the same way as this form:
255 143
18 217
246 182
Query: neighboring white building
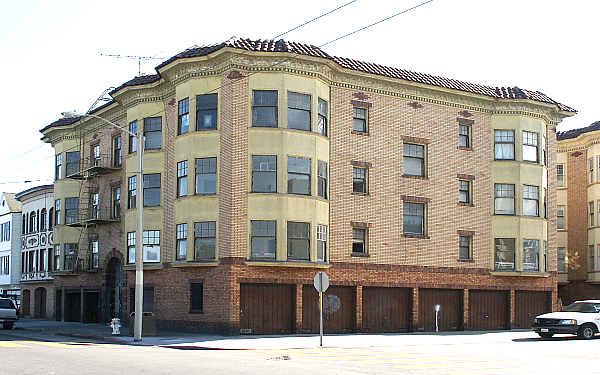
37 250
10 244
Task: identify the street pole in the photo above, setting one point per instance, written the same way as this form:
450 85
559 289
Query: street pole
321 312
139 233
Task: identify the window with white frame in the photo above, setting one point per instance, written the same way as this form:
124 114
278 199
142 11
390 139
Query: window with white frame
591 213
206 176
182 231
530 146
531 199
591 170
299 111
504 199
562 259
560 217
182 178
263 239
413 161
413 218
151 246
592 264
322 179
94 262
560 175
359 240
464 136
321 243
183 116
531 253
464 247
504 144
504 254
131 247
264 173
56 257
298 240
205 240
323 121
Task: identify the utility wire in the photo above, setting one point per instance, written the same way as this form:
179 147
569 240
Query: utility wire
333 40
314 19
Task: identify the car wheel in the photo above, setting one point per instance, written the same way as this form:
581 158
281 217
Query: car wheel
586 332
546 335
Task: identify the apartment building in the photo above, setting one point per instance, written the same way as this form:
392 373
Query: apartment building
578 213
267 161
10 245
38 255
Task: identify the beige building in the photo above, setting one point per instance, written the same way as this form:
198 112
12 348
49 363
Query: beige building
578 220
267 161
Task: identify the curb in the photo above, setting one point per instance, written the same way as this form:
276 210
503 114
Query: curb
97 337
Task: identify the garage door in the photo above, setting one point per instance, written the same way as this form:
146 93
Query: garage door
530 304
338 309
489 309
267 308
386 309
450 317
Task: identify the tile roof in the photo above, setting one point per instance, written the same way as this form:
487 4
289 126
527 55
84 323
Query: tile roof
61 122
314 51
574 133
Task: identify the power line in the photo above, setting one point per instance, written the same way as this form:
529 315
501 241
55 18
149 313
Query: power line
334 40
24 181
314 19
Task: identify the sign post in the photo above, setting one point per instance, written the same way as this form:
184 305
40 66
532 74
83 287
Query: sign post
321 283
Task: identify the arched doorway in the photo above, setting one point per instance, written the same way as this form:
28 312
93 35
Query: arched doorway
26 302
39 308
114 283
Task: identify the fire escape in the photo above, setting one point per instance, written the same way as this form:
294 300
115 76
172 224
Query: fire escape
96 206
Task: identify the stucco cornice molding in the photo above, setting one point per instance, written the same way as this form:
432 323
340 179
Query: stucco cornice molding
578 144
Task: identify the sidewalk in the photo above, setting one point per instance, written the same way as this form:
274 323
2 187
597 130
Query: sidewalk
184 340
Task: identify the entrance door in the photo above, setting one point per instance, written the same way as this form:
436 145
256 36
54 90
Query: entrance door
40 303
73 306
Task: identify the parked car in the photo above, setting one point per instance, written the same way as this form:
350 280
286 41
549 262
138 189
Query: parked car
581 318
8 313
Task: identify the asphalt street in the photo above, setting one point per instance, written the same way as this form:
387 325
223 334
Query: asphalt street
490 353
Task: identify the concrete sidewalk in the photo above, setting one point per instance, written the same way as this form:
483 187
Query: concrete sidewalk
183 340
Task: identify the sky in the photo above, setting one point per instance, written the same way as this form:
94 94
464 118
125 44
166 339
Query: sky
51 63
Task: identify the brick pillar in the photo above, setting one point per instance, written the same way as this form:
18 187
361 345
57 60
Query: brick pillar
358 307
512 308
466 310
299 308
415 310
62 304
81 304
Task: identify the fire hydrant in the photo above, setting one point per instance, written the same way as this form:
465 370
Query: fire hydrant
115 324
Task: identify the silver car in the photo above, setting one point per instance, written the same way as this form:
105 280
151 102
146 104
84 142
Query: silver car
8 313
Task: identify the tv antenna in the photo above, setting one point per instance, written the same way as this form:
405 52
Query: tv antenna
133 57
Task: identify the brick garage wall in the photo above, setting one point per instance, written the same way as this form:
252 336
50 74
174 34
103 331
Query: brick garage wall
578 290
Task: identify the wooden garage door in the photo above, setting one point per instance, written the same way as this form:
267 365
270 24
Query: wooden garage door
267 308
386 309
451 309
338 309
489 309
530 304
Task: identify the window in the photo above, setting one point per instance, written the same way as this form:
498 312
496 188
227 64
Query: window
5 231
562 259
206 176
298 111
94 208
196 297
544 151
71 208
413 162
359 240
70 256
414 218
117 152
206 112
72 163
298 240
464 136
131 247
531 253
592 265
545 257
57 219
530 146
359 180
94 252
591 174
560 217
591 212
264 109
152 190
560 175
131 192
530 200
51 218
5 270
264 239
116 202
321 243
545 203
152 133
505 254
182 178
133 128
504 144
464 247
183 118
264 174
322 179
298 175
504 199
205 240
95 156
147 302
464 191
360 120
58 167
181 241
322 123
43 220
151 246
